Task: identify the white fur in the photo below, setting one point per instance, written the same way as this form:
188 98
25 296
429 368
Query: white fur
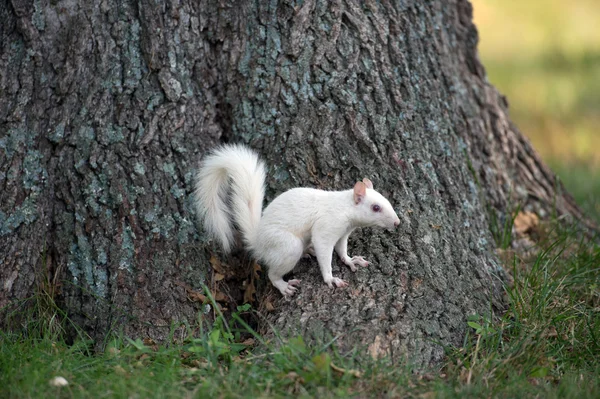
298 221
239 168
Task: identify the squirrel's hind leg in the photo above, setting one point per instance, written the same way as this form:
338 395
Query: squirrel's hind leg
285 249
309 251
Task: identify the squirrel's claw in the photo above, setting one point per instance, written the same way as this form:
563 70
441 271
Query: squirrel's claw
289 288
356 261
360 261
338 283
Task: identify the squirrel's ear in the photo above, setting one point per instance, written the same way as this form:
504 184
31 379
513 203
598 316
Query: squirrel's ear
368 183
360 190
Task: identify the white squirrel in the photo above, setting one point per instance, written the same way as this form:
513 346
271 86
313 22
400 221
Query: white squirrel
301 220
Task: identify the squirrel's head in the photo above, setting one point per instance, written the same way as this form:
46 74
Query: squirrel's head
374 209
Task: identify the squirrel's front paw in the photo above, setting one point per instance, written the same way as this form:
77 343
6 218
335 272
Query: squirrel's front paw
356 261
338 283
291 289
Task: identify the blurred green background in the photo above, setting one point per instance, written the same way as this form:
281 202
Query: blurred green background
544 55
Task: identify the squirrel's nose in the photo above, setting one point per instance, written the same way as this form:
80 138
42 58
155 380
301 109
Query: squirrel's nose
397 223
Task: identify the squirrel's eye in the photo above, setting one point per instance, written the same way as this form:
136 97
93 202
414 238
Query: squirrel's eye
376 208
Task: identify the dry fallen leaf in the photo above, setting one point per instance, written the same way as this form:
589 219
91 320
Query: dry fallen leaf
249 292
217 265
354 373
219 296
199 363
192 295
525 222
551 332
292 375
113 351
144 356
251 287
195 296
255 269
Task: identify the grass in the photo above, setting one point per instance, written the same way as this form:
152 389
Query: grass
582 183
547 344
196 368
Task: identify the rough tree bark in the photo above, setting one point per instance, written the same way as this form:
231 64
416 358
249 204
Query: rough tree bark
105 110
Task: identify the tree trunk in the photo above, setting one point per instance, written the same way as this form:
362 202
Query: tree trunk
106 109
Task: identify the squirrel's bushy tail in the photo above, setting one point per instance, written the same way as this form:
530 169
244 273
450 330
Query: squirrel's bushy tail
239 168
